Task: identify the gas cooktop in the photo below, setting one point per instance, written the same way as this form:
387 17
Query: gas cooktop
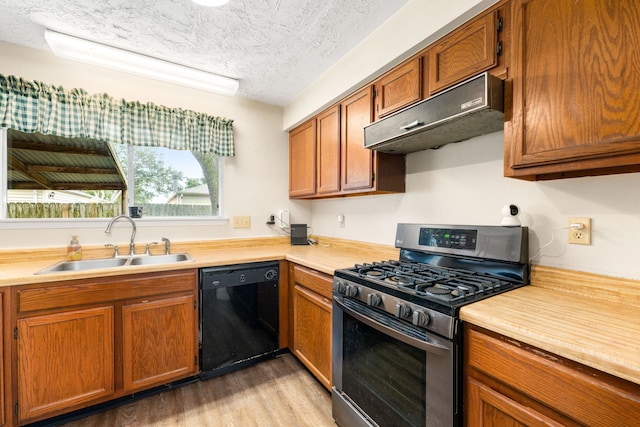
444 267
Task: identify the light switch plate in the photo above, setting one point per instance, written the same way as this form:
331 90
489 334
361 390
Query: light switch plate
241 222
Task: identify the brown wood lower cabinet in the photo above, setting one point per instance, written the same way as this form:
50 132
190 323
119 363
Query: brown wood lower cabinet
88 341
158 341
4 355
508 383
312 321
65 359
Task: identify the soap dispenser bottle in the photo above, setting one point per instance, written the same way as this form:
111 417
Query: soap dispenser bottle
74 250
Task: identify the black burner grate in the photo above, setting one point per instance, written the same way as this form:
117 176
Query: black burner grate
429 281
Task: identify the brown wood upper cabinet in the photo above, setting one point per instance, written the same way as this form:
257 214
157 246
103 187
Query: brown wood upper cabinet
302 160
328 158
83 342
508 383
328 151
358 162
575 79
398 88
364 170
465 52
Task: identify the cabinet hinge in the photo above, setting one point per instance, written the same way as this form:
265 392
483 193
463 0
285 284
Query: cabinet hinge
499 24
195 360
195 304
499 48
15 409
373 177
15 333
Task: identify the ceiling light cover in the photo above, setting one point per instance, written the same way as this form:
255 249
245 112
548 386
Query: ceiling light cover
76 49
211 3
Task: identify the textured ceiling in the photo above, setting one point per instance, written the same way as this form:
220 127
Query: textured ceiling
276 48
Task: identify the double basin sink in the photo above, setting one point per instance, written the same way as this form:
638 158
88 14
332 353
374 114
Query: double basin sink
124 261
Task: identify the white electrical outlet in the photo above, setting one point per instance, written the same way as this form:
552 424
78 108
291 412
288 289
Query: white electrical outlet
340 219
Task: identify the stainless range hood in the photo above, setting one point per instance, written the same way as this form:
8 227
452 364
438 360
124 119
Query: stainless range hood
471 108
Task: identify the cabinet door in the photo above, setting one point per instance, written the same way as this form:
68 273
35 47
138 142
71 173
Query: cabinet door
159 342
2 355
486 407
398 88
302 160
64 360
312 332
357 161
467 51
541 383
328 157
575 79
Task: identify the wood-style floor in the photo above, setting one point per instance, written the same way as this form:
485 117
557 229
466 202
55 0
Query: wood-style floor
278 392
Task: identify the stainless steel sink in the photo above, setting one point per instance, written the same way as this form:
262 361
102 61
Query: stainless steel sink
160 259
94 264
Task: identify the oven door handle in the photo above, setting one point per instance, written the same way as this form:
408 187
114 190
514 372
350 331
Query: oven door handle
428 346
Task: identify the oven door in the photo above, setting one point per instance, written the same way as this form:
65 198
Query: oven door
389 373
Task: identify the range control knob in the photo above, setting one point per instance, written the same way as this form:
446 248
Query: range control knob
374 300
270 274
402 310
351 290
339 286
421 318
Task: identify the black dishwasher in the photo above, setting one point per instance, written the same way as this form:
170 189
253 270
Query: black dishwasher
239 312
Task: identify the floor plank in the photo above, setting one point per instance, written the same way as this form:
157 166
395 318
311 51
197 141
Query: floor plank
278 392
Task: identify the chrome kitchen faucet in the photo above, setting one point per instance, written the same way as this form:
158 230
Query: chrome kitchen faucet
132 247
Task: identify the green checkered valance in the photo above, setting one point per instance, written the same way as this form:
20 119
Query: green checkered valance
32 106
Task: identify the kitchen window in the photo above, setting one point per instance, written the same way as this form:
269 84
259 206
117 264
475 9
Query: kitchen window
69 154
47 177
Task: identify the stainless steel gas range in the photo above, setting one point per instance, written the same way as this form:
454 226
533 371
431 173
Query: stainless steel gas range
397 356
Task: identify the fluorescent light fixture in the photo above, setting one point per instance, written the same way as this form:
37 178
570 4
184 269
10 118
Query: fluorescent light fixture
76 49
211 3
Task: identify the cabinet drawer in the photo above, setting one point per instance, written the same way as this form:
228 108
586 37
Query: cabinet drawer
583 394
94 291
318 282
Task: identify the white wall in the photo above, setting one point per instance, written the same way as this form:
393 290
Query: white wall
255 180
463 184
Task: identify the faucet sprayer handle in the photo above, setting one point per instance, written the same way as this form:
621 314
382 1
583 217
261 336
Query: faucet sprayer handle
167 245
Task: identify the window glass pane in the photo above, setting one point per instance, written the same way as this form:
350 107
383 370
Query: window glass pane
173 183
51 177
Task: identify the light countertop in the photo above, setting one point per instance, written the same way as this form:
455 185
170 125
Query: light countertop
590 319
19 267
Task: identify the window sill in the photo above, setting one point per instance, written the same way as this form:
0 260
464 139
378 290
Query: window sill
37 224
